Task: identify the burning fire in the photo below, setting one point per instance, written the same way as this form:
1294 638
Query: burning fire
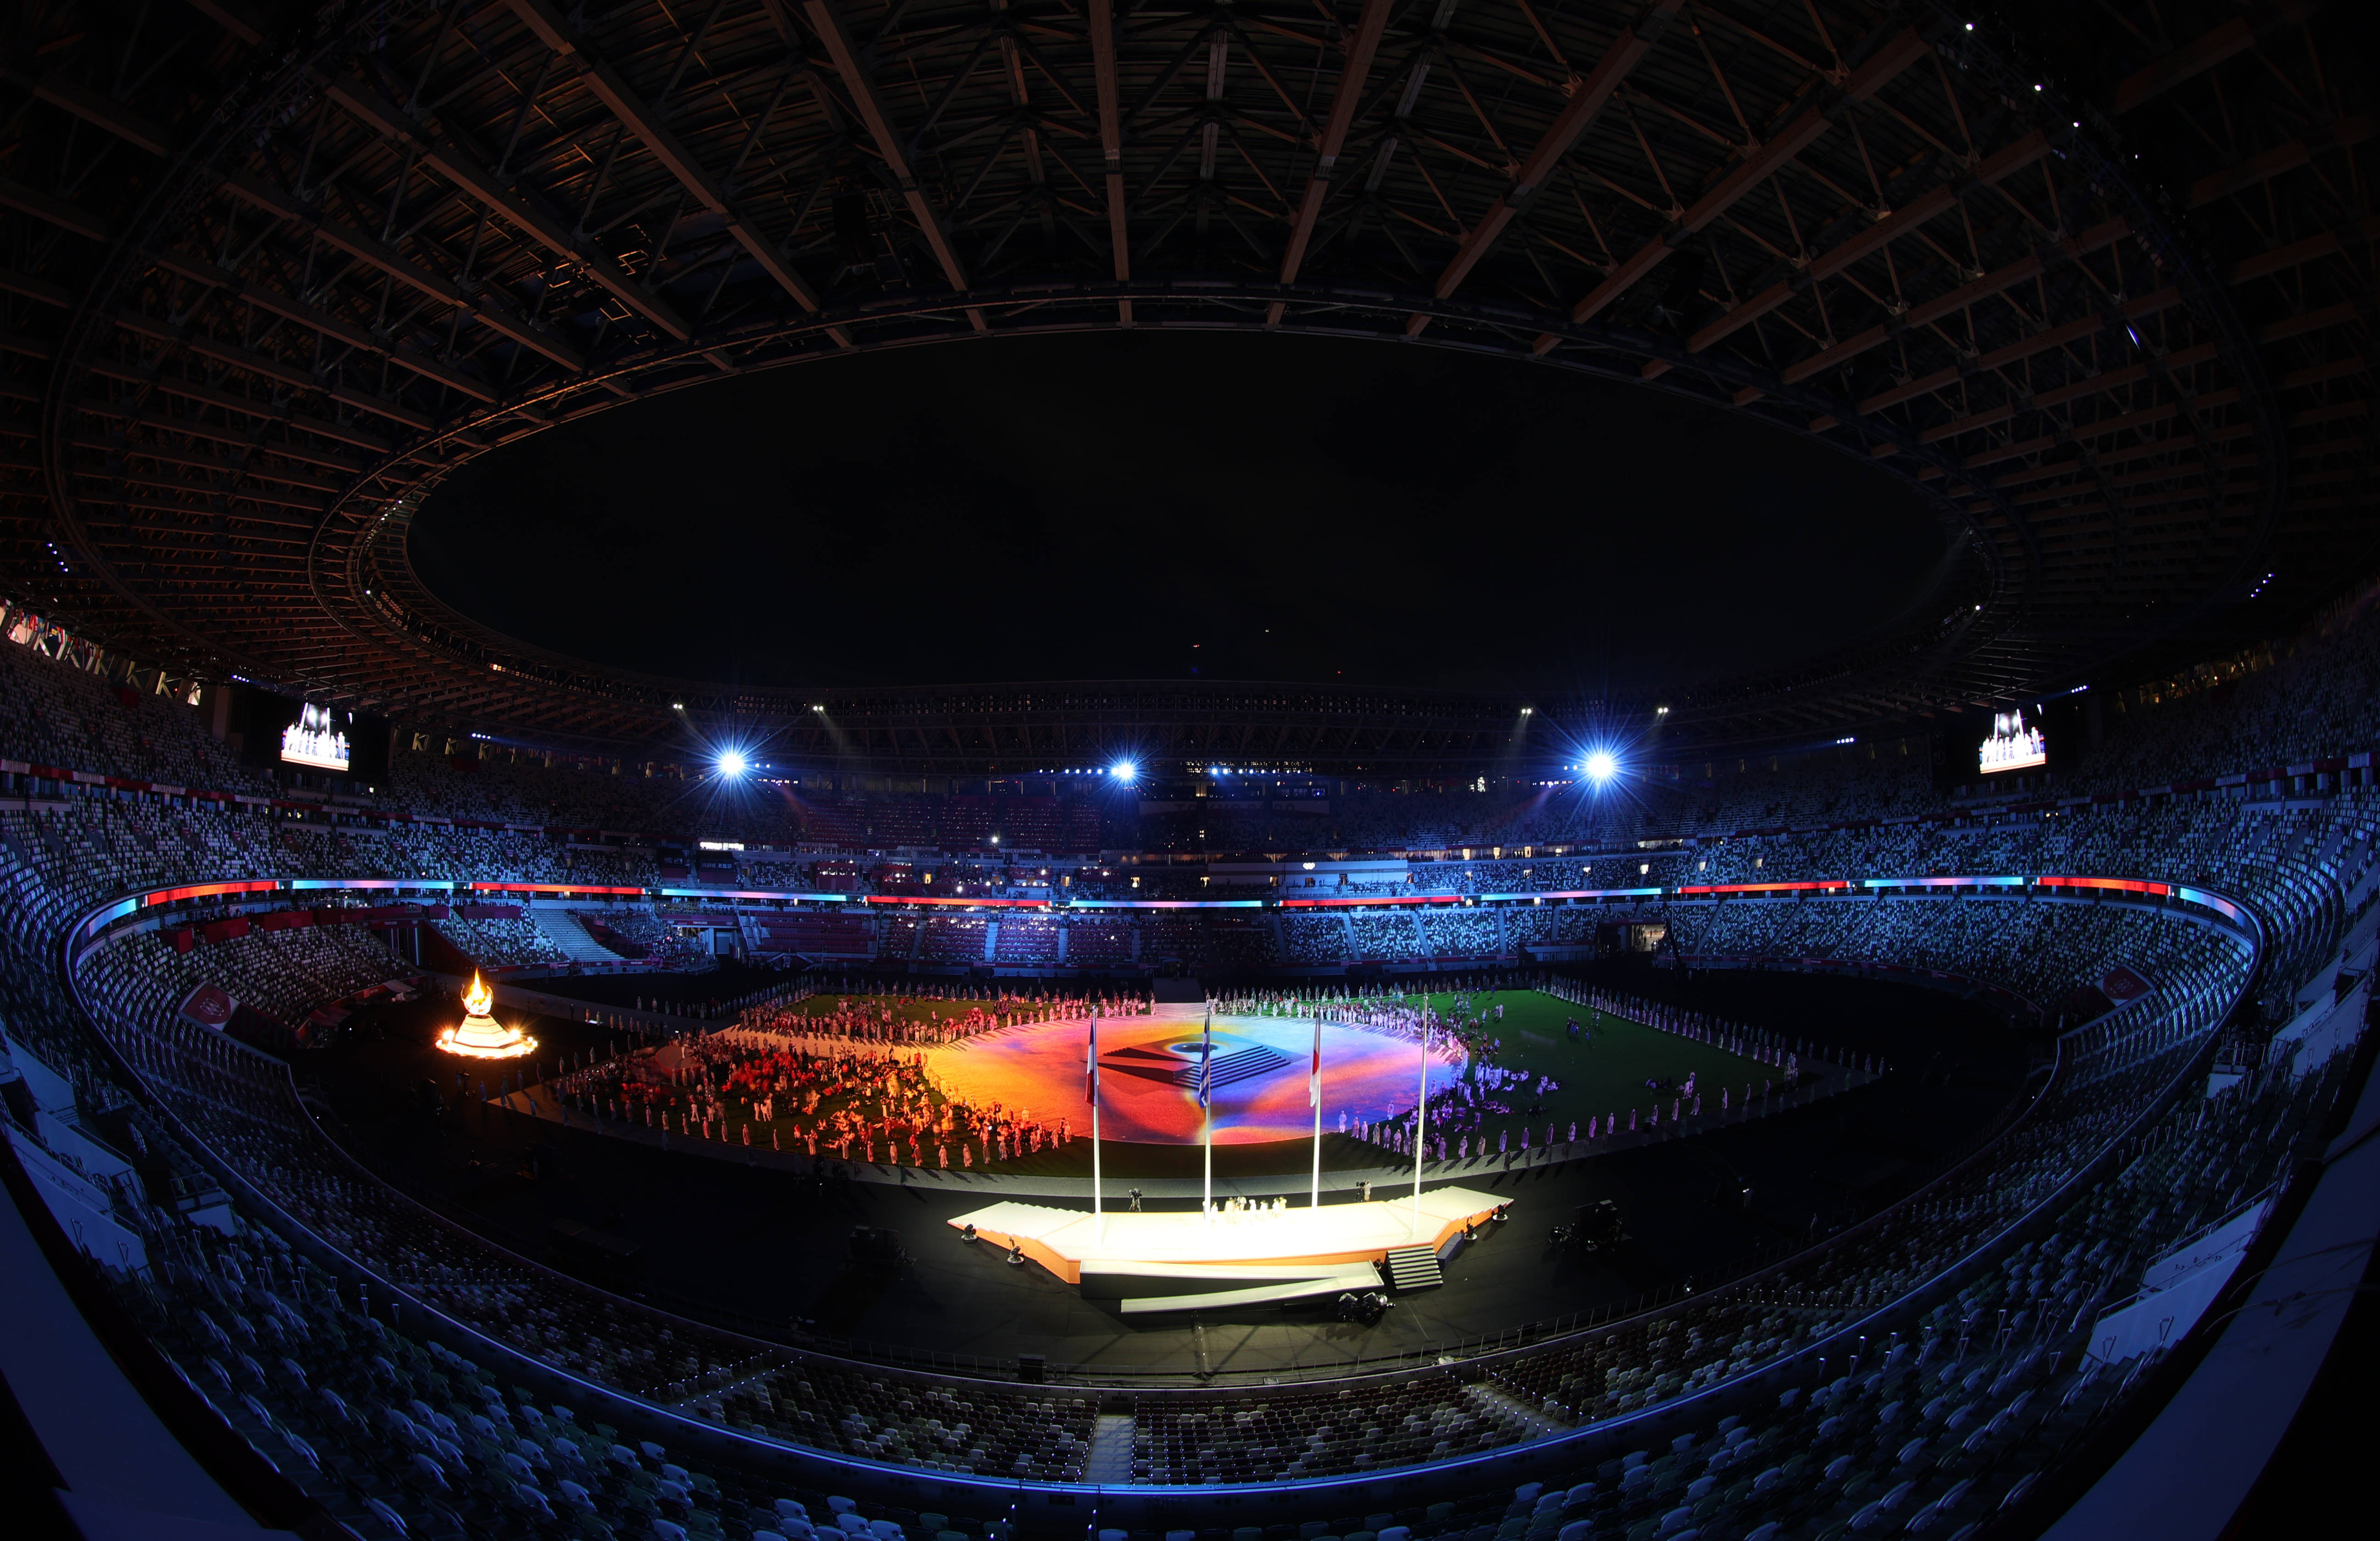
481 1036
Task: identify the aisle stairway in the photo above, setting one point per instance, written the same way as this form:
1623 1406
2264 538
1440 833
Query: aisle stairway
1110 1459
562 928
1413 1268
1510 1409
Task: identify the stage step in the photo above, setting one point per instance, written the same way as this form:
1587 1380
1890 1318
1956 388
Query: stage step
1233 1067
1110 1459
1414 1267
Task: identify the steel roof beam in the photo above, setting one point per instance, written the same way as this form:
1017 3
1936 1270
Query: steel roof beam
198 460
233 17
2295 254
2202 54
363 101
1898 53
2032 265
1587 97
99 111
1345 97
827 21
66 215
1998 167
611 88
274 516
2022 348
2257 170
1103 73
489 307
316 320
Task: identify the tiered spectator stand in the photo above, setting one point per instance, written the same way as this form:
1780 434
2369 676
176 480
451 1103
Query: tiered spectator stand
2314 812
399 1302
1852 912
1350 1490
2295 878
2304 876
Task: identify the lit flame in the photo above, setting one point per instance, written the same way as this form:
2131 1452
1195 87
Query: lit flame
481 1036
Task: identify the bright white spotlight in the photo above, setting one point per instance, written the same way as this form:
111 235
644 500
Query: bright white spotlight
1124 770
733 764
1601 766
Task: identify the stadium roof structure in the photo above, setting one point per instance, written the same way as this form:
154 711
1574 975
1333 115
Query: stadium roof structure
2099 292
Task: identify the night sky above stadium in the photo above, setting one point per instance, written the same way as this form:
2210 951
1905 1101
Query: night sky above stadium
1151 506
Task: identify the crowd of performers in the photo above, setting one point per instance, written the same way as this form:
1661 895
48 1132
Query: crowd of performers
1490 1095
1458 1116
830 1096
907 1019
1470 1018
1475 1017
1753 1043
842 1076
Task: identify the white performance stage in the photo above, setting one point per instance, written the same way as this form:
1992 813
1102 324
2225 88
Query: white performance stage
1157 1262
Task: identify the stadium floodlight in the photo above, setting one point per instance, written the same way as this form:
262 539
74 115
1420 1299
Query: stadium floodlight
1601 766
1124 770
732 764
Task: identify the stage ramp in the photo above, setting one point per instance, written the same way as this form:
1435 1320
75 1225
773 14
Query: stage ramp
1192 1261
1139 1289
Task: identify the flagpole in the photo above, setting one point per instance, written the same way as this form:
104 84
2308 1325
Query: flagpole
1315 1091
1099 1220
1207 1102
1421 1123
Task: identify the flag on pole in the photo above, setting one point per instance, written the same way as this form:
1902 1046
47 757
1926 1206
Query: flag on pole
1091 1065
1314 1077
1206 1059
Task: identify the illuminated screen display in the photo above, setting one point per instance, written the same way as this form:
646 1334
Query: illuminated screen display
2015 744
316 740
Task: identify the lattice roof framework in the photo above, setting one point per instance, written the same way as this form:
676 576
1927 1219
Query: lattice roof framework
268 275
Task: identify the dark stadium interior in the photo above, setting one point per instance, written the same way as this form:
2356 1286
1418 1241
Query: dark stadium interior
1376 520
1254 770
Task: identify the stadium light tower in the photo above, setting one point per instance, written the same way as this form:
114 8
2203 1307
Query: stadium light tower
1125 771
1601 766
